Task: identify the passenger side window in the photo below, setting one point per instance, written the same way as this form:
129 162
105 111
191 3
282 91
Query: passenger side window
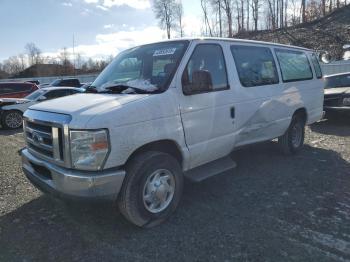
317 66
56 94
294 65
210 58
255 65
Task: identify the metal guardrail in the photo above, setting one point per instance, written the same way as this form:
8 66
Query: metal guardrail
47 80
336 68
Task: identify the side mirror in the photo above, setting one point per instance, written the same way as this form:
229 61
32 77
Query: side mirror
42 98
201 83
325 57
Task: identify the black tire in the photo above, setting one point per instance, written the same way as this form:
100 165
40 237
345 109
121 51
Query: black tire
288 143
12 119
131 200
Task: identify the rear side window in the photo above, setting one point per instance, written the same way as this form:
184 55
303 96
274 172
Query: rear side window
294 65
255 65
316 65
208 57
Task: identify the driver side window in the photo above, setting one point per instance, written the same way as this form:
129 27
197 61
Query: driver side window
56 94
210 58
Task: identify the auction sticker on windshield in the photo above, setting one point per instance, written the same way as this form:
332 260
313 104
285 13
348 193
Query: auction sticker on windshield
168 51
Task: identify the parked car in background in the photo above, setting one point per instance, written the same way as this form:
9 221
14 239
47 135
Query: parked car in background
86 85
11 109
72 82
37 82
16 89
337 94
167 111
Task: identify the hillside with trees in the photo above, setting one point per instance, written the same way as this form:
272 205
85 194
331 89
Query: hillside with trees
330 33
322 25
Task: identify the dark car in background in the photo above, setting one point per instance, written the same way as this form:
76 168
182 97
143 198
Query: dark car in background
71 82
337 93
16 89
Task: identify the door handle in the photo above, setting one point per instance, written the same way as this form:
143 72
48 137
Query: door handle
233 112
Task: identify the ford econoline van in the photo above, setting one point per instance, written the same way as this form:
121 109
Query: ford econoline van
163 112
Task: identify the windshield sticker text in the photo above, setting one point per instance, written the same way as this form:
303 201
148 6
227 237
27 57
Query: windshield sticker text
168 51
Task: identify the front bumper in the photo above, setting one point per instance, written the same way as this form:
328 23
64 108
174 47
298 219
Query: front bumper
72 184
344 109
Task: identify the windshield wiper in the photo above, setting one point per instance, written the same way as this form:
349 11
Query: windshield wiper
91 89
119 88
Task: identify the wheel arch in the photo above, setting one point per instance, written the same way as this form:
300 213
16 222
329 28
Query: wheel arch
166 146
301 112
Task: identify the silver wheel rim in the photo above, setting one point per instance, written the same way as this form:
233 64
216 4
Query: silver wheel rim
13 120
296 135
158 191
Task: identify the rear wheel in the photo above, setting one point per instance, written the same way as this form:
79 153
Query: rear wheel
152 189
12 119
293 140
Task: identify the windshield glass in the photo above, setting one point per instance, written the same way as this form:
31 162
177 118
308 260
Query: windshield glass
35 95
56 82
149 67
338 81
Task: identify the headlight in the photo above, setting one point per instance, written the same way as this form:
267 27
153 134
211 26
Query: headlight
89 149
346 101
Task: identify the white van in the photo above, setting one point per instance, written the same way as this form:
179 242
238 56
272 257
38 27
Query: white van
163 112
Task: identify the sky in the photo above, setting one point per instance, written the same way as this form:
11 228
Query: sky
100 27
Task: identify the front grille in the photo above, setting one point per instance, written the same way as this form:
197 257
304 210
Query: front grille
333 100
45 140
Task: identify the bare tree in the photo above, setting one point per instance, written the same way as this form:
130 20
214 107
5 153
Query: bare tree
65 61
255 12
218 6
303 11
227 6
12 65
248 14
79 61
272 13
179 12
22 59
33 53
165 13
205 9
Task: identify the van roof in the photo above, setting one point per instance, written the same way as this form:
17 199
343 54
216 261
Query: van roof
237 40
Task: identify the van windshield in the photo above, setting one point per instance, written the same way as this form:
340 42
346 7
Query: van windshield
149 68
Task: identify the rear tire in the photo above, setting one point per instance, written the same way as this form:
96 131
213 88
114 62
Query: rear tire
12 119
152 189
293 140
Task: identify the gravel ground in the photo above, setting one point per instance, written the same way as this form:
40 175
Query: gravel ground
270 208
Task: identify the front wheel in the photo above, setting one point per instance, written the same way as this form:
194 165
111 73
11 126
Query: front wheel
12 119
293 140
152 189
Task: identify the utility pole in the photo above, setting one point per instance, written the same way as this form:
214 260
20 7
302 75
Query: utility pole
220 19
73 55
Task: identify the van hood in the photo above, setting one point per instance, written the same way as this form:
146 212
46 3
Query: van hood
86 104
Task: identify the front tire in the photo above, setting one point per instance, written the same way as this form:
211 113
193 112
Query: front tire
12 119
293 140
152 189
